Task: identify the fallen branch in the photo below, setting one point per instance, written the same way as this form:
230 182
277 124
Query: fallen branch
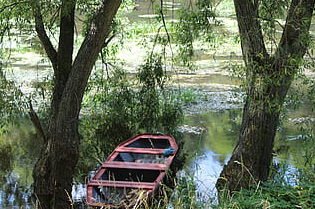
36 122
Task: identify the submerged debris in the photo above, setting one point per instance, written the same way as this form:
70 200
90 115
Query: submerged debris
302 120
191 129
215 101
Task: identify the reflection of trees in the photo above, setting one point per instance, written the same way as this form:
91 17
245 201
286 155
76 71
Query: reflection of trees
24 146
13 193
6 156
235 122
294 140
222 131
221 135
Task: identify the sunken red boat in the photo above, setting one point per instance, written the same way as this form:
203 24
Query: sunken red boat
139 163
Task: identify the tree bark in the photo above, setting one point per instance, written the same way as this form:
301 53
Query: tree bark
269 78
53 173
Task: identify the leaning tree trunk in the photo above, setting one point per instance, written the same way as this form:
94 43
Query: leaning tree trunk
269 78
53 173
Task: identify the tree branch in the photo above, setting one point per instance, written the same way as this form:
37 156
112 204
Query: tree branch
295 36
82 66
36 122
65 51
94 41
41 32
109 40
66 37
252 41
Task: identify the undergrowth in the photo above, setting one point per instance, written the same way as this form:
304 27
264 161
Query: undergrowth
271 195
263 196
118 106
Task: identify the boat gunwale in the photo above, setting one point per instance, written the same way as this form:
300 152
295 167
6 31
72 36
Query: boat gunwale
118 184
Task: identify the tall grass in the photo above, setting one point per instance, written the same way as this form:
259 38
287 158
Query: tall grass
271 194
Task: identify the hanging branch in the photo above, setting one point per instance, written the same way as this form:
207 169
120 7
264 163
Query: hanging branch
165 27
6 7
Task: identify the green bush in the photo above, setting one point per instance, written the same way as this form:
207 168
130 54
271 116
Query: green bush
119 106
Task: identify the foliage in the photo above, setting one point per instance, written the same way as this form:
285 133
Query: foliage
185 195
193 24
17 16
238 70
151 79
14 14
270 12
120 106
11 102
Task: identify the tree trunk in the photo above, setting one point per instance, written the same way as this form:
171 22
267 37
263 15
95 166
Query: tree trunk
269 79
53 173
252 156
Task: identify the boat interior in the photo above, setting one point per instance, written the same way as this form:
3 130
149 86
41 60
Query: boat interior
150 143
116 184
116 195
140 158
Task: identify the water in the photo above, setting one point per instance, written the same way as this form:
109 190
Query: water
211 134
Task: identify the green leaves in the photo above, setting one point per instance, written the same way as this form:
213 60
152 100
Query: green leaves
271 12
121 105
14 14
194 24
11 104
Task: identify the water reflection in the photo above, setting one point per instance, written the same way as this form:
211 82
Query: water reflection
13 194
206 168
212 148
78 194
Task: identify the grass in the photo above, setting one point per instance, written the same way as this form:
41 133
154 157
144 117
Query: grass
270 195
